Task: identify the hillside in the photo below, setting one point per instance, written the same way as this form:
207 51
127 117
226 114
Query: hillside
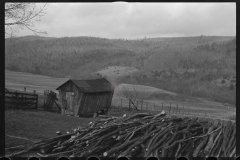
74 56
19 80
187 65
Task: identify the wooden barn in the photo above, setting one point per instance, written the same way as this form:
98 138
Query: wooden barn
85 97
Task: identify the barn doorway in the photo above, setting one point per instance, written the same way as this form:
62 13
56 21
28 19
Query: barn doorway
69 98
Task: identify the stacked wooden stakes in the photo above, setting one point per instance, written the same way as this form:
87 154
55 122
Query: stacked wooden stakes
49 99
143 135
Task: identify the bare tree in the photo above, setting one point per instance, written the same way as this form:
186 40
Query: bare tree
134 95
23 15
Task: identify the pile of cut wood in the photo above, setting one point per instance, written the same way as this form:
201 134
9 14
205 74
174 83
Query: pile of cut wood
142 135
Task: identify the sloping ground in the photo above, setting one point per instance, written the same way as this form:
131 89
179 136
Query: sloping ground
142 135
113 72
19 80
193 106
141 88
192 40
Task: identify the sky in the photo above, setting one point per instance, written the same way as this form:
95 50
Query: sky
136 20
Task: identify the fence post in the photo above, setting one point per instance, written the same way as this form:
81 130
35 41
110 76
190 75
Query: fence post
34 91
24 89
37 102
12 100
44 94
17 99
154 106
147 106
177 109
162 105
141 104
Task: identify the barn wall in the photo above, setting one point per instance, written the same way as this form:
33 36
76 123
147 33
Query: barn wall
109 101
83 103
68 87
77 102
93 102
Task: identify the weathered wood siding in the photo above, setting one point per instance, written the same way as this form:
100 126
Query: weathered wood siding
77 102
68 87
93 102
83 104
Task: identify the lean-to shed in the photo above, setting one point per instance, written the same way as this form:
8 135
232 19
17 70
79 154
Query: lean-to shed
85 97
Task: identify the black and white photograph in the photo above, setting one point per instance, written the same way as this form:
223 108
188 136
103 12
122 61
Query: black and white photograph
120 79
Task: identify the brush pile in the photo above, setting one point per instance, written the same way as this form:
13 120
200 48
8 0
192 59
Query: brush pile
142 135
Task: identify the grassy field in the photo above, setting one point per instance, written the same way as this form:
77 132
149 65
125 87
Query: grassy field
19 80
37 125
26 126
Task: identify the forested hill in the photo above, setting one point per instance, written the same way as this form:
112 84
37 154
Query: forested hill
203 66
75 56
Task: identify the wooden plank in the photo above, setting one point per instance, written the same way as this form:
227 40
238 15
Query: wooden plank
51 104
134 106
44 94
20 102
26 95
77 107
21 98
37 102
47 101
21 93
57 105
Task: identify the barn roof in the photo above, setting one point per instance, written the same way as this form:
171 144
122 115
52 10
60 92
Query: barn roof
93 85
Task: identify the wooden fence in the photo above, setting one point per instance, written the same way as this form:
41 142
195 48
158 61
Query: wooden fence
49 100
169 107
21 100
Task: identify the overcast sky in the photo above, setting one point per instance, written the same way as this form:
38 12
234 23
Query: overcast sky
137 20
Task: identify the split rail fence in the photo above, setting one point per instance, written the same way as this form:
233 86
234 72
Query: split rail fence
21 100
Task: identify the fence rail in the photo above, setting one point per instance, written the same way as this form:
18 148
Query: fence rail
21 100
169 108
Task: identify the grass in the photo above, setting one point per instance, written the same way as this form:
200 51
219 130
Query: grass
19 80
38 125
